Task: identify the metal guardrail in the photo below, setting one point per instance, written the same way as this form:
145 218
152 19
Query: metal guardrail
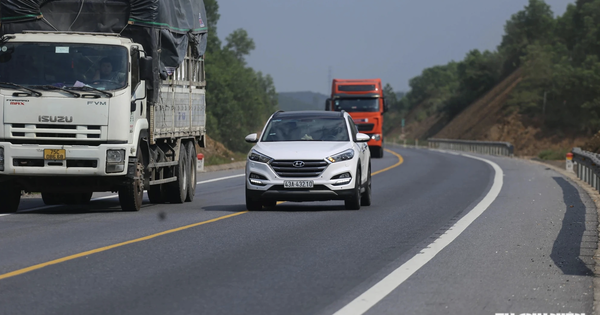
482 147
588 167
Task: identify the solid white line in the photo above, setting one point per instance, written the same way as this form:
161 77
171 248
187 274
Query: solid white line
115 195
384 287
218 179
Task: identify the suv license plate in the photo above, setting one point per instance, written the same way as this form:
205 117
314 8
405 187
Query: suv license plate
298 184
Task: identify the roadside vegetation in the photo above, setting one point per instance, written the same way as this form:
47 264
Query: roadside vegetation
239 98
560 62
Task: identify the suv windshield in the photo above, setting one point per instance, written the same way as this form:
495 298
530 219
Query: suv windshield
356 104
64 65
306 129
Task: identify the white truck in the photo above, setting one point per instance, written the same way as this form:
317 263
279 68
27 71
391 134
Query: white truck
101 95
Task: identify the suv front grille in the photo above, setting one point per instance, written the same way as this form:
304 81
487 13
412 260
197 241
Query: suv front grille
311 168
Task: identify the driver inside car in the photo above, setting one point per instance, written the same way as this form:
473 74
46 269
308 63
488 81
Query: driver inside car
106 72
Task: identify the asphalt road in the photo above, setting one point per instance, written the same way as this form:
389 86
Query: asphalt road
446 234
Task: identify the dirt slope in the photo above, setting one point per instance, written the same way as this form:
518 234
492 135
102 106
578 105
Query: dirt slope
476 120
487 119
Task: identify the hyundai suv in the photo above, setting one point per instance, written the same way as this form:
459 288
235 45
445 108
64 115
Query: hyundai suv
308 156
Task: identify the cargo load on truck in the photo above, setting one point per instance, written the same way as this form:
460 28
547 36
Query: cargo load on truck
164 27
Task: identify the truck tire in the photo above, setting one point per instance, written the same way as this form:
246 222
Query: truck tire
157 193
10 197
132 194
193 160
178 190
377 152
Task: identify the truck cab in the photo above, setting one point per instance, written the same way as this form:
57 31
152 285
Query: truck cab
364 101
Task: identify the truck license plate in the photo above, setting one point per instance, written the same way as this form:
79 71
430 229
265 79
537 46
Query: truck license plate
298 184
55 154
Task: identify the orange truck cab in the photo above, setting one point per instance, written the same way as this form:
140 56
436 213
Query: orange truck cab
364 101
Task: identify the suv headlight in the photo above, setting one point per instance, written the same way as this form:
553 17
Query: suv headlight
258 157
115 161
342 156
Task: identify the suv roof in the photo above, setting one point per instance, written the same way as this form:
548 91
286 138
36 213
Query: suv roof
310 114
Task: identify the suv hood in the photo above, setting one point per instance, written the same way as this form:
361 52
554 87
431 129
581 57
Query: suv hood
306 150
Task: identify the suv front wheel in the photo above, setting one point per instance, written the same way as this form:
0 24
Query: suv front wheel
252 204
353 202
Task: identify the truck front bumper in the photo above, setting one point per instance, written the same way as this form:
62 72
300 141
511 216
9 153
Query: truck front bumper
79 160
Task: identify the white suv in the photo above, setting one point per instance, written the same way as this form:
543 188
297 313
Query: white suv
308 156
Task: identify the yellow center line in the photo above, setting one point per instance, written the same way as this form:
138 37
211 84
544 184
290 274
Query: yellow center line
102 249
400 161
145 238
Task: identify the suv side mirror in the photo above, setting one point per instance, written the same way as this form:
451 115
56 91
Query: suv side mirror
328 104
252 138
361 137
146 68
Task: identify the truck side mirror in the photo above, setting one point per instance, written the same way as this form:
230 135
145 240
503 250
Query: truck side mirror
386 106
328 104
146 68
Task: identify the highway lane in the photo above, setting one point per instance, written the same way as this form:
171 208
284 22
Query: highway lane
310 258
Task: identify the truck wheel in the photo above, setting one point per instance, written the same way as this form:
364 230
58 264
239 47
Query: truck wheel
10 197
132 194
157 194
353 203
178 189
193 159
377 152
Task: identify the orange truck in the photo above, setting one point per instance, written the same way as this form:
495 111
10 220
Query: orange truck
364 101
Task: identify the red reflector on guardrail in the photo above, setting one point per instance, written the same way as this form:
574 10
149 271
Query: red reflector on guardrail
569 156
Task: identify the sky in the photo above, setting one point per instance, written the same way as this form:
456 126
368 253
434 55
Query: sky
299 42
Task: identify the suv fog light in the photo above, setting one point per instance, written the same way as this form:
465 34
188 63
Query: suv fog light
115 161
255 179
1 158
342 179
376 137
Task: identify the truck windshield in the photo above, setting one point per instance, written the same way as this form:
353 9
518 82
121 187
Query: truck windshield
64 65
356 104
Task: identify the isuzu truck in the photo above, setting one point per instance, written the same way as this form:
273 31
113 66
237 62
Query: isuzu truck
101 95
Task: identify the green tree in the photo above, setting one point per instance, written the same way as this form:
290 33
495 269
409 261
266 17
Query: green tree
534 23
239 99
240 44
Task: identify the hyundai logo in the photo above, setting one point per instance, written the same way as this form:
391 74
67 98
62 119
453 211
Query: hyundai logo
298 164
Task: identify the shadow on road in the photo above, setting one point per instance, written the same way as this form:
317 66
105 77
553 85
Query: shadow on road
283 207
95 206
567 249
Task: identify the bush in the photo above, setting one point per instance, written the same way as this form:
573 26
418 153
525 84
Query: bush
553 154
